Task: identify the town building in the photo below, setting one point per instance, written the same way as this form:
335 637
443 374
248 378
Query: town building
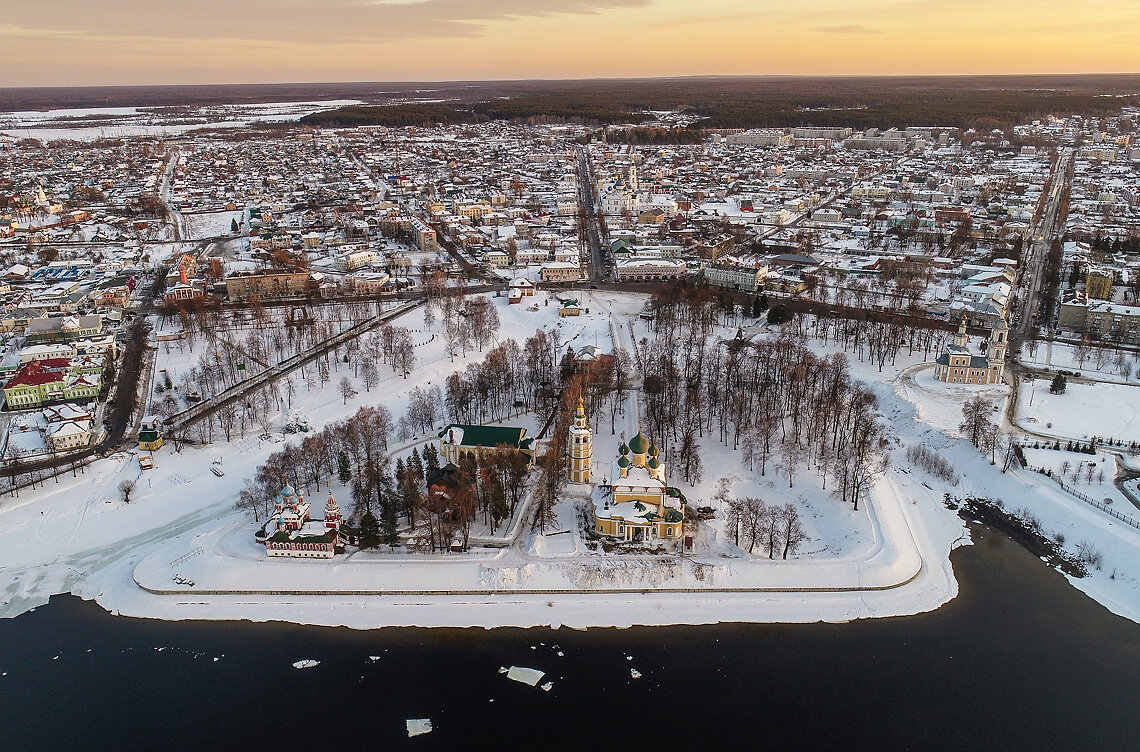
243 285
38 382
63 328
559 271
458 439
735 277
149 437
1102 320
648 270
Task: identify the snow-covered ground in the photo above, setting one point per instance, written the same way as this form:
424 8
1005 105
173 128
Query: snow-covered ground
888 558
88 124
1117 583
211 224
1083 411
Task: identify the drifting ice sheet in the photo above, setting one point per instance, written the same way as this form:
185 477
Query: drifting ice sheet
307 663
529 676
417 726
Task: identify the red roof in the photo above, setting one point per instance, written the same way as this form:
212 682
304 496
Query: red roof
36 372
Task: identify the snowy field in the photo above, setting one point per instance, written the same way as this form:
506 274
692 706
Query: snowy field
88 124
940 403
1083 411
888 558
211 224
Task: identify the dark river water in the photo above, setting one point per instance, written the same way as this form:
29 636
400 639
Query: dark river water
1019 661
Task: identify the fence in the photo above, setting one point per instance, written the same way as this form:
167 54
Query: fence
1093 502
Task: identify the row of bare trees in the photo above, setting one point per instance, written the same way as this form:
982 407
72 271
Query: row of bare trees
754 522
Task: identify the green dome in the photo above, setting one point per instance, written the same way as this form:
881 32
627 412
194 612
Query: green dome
623 450
623 462
653 450
639 444
653 463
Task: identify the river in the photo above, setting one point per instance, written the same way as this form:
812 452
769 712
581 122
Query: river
1018 661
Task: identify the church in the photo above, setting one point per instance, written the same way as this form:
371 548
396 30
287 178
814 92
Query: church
637 505
290 532
959 364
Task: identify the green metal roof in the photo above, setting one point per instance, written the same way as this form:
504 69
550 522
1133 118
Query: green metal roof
490 436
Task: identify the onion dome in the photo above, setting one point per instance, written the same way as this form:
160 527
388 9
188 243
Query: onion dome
653 450
653 464
623 450
623 462
639 444
287 491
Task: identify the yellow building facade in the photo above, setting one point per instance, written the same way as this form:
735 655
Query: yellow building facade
636 505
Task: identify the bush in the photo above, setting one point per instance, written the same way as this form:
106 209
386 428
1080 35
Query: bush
927 459
1088 555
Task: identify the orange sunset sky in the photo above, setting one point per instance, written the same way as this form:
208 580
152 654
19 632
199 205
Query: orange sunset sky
91 42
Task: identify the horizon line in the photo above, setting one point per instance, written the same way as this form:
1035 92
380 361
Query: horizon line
784 76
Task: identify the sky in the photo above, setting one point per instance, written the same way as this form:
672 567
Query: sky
120 42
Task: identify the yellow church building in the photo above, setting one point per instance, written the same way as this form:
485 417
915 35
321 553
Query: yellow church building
636 504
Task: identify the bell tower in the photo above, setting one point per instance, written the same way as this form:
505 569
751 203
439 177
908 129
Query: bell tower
961 338
995 353
580 449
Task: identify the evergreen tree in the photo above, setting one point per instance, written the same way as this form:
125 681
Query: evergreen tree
343 471
389 529
1057 386
431 457
398 477
369 531
416 463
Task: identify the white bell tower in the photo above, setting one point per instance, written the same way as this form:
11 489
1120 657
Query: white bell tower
580 450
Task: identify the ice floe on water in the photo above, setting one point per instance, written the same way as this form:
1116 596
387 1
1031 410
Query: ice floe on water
529 676
417 726
306 663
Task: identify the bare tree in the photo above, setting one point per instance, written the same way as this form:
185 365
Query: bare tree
791 529
345 389
369 374
126 488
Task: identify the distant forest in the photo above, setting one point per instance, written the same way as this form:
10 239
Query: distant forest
981 102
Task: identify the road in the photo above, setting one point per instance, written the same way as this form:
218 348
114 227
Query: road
1029 285
587 203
